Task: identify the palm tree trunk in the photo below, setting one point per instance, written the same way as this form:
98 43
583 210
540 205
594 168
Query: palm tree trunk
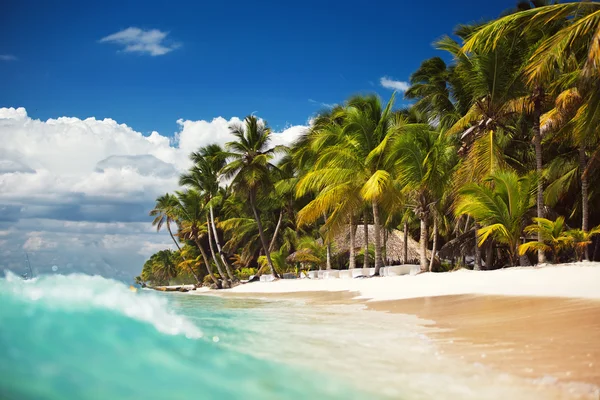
405 256
384 247
212 252
352 261
489 255
328 247
179 248
378 260
219 248
261 234
277 227
537 144
366 230
477 260
423 244
435 240
205 258
584 195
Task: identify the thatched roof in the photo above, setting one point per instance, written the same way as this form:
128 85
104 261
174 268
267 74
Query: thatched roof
394 243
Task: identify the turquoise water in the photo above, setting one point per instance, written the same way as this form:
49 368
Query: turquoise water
83 337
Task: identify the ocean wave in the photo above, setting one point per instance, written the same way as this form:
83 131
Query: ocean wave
79 293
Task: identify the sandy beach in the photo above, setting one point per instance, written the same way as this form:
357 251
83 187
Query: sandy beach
540 323
576 280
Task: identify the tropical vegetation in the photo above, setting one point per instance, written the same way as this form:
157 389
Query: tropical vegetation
494 164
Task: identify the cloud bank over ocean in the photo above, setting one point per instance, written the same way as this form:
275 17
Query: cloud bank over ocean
75 193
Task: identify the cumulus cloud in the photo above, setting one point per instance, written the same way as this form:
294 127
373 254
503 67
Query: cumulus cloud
392 84
8 57
153 41
144 164
77 191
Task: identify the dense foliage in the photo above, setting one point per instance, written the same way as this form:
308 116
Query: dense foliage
495 163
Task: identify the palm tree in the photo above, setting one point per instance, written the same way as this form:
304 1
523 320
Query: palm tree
553 234
164 212
250 166
424 161
192 212
203 177
573 48
353 162
163 266
432 86
338 191
582 239
500 205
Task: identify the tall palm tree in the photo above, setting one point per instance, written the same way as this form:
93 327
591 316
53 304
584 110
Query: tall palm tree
249 167
500 205
164 212
192 213
575 38
354 159
424 161
433 86
338 191
203 177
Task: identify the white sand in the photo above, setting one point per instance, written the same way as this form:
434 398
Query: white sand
576 280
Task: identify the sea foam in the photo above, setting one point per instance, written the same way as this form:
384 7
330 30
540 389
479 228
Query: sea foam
79 292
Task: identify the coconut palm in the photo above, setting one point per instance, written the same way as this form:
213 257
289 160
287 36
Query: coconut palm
192 214
249 168
164 213
432 88
203 177
353 162
581 239
500 204
423 160
163 265
338 193
573 43
553 234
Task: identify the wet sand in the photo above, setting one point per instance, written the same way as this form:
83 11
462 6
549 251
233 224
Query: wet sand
547 339
528 336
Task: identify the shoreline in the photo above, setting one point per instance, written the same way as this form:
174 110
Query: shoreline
574 280
538 323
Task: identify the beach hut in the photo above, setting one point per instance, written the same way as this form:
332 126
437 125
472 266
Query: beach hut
392 244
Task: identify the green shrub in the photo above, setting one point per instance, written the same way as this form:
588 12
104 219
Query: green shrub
245 273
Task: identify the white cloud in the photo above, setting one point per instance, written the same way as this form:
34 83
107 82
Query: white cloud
389 83
152 41
82 185
326 105
8 57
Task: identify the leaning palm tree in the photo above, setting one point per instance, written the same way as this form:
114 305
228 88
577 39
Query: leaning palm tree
249 168
164 213
203 177
191 213
500 204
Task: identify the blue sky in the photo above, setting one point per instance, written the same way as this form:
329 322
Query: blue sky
234 58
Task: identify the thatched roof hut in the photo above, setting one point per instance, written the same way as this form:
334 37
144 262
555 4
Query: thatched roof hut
394 244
